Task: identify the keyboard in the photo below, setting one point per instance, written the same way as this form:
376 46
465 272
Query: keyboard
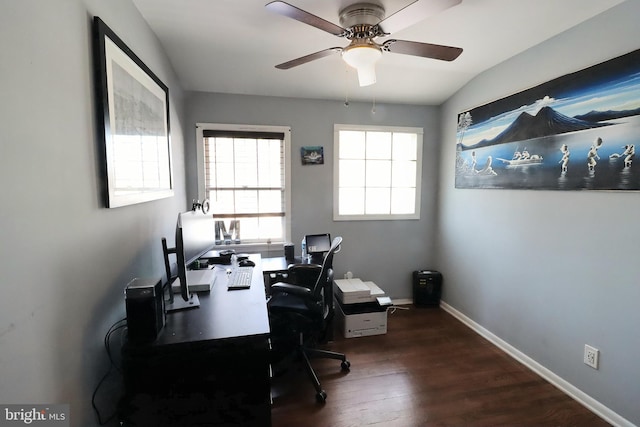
240 278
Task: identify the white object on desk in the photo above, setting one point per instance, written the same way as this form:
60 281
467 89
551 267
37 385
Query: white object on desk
197 281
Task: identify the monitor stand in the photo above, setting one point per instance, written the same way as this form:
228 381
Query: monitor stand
180 304
175 303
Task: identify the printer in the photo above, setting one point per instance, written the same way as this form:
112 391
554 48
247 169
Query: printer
361 308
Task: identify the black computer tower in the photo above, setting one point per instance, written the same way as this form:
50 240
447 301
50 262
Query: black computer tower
427 288
145 309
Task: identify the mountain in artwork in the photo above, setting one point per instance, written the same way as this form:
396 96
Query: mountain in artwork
546 122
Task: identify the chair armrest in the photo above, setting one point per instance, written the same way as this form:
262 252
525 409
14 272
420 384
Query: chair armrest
292 289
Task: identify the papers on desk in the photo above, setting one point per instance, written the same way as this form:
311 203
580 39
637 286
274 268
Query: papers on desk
354 291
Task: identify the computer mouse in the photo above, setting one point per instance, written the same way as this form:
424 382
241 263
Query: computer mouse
247 263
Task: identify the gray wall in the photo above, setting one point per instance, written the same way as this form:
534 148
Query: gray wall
385 252
64 259
549 272
567 276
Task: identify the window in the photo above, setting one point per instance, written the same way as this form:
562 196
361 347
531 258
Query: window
377 172
244 171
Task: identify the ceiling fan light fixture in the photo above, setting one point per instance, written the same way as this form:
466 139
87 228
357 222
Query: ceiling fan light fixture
363 58
366 76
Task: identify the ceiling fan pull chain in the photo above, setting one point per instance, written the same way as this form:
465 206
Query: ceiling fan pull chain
346 86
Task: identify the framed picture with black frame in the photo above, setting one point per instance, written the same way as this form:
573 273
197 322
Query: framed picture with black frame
133 120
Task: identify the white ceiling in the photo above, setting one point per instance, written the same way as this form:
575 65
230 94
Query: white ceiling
232 46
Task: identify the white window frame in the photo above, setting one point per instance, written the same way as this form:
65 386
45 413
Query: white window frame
336 172
201 127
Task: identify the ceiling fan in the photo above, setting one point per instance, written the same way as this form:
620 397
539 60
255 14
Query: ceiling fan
362 23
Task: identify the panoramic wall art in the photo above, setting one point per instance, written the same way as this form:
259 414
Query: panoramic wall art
576 132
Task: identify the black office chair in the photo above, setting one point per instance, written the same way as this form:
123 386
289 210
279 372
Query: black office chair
301 311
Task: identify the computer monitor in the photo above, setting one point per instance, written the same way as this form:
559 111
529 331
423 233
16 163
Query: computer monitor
317 245
194 238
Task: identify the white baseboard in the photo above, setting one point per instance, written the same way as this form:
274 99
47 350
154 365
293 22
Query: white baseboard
581 397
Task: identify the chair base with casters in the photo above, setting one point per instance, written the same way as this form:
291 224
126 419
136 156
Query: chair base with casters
305 353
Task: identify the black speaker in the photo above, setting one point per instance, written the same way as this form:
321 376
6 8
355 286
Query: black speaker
288 251
145 309
427 288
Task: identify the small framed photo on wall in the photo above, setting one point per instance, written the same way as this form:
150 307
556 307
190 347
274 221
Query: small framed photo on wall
312 155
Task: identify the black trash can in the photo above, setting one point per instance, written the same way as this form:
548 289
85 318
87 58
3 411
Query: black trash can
427 288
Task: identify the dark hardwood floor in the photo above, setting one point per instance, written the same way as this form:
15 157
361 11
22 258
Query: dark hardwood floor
428 370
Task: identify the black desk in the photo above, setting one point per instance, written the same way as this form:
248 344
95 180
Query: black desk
208 366
222 313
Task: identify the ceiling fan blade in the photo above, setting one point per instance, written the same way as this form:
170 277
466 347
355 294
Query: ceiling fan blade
285 9
308 58
426 50
414 13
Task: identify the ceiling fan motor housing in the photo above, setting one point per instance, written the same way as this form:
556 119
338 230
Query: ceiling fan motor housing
361 19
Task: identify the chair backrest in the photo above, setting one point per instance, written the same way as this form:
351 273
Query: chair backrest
314 276
319 279
325 278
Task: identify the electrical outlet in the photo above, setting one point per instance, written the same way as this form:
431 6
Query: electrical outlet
591 356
